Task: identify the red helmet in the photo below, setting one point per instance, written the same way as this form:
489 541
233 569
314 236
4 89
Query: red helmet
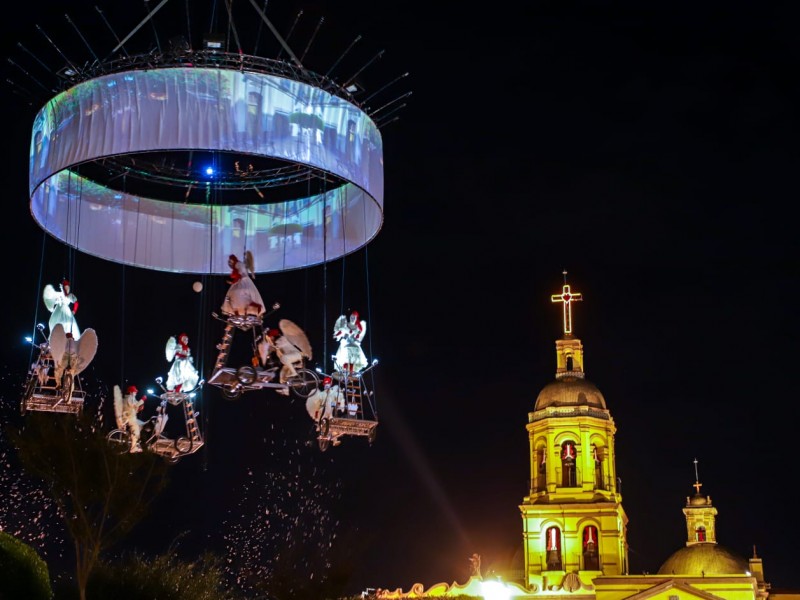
183 335
327 381
132 389
274 333
65 283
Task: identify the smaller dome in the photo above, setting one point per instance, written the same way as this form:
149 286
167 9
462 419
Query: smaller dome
570 391
702 560
699 500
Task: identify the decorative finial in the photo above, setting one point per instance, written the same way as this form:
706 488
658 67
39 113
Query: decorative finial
697 485
566 297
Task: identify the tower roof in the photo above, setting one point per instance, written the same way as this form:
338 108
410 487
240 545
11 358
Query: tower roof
570 391
702 560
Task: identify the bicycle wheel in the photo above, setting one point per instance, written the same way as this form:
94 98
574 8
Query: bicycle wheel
120 441
246 375
324 431
232 393
305 383
67 383
184 445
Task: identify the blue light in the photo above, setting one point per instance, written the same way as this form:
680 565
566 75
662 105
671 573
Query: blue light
209 171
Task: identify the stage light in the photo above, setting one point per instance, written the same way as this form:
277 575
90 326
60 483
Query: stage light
210 171
29 339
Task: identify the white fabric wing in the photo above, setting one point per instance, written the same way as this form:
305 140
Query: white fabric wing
118 407
172 347
296 336
249 263
51 297
58 343
87 348
341 324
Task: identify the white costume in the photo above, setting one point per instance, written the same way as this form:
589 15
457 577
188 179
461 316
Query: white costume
291 346
349 333
63 305
182 375
71 355
243 297
161 418
321 403
127 409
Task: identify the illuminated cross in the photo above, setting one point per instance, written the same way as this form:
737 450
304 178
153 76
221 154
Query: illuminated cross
697 485
567 298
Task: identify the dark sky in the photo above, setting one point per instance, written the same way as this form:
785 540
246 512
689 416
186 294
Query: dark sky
649 149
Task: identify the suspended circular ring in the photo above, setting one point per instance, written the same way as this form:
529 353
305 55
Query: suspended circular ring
247 114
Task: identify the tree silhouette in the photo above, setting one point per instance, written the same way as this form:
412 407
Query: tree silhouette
101 494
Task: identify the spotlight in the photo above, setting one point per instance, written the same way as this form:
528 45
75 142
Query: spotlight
210 171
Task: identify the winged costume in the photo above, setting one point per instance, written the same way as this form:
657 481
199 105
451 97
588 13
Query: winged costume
182 374
62 305
349 333
126 410
71 355
243 297
321 403
291 347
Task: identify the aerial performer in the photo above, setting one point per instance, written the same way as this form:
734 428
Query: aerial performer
322 403
289 355
63 305
349 332
127 409
243 297
182 374
70 355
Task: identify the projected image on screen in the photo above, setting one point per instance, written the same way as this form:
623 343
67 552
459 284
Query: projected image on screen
174 109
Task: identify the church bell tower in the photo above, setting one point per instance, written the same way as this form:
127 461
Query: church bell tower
574 526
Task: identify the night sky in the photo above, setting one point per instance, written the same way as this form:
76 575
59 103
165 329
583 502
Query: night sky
648 149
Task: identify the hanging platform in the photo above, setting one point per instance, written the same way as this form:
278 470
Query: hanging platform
233 381
43 393
350 413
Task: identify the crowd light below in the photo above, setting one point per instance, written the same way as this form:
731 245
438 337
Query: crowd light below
495 590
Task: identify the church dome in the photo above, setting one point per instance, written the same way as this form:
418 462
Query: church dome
570 391
702 560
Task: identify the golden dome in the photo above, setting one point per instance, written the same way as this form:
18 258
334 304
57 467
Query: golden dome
570 391
702 560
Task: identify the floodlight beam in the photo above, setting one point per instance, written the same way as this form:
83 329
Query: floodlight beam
233 27
139 26
373 94
36 58
311 39
342 55
278 36
114 33
258 32
39 83
361 70
64 56
80 35
377 110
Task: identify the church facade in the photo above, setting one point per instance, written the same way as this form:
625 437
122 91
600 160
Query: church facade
573 523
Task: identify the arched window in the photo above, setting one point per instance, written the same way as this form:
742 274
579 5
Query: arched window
553 541
597 455
700 533
569 476
569 363
591 555
541 477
